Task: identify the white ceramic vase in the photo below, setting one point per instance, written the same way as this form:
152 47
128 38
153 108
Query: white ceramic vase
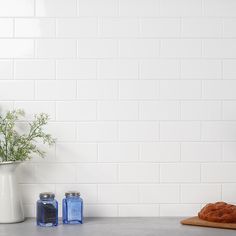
11 208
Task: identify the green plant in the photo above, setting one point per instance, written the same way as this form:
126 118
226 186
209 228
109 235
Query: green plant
20 147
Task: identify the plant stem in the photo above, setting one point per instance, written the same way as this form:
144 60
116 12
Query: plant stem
6 141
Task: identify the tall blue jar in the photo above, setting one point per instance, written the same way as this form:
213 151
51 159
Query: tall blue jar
47 210
72 208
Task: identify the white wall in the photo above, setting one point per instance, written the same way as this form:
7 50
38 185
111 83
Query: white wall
142 96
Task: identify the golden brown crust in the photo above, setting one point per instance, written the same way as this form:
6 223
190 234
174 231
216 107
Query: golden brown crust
218 212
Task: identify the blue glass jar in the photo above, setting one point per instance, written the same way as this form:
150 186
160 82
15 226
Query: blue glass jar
72 208
47 210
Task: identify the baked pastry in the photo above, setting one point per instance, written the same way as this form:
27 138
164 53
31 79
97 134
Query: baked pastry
218 212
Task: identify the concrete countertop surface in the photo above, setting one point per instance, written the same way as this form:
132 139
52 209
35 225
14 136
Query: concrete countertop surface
150 226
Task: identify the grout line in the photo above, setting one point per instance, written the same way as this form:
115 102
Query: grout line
123 17
100 37
34 8
203 8
77 7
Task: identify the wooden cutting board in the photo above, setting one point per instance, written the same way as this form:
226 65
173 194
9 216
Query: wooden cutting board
198 222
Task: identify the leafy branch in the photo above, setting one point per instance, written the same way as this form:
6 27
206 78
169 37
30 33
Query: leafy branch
20 147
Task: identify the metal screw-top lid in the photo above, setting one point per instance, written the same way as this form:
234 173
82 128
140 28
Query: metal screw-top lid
46 195
72 194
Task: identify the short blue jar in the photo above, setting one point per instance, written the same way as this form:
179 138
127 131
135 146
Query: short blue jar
72 212
47 210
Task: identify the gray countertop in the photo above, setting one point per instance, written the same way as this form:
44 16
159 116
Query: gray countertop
114 227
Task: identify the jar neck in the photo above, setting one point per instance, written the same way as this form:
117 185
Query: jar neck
47 199
72 196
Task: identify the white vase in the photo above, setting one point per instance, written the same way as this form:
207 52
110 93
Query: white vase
11 208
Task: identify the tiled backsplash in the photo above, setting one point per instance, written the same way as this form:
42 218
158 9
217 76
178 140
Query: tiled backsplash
142 99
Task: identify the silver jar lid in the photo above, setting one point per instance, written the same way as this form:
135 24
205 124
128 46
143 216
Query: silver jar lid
46 195
72 194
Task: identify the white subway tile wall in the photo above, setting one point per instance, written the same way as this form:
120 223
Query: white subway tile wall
141 95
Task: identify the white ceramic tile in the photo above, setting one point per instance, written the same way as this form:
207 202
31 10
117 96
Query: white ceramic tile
200 193
184 48
14 8
219 89
140 89
62 131
83 27
16 90
201 152
75 111
55 173
201 27
160 152
117 110
228 110
138 210
180 172
119 27
160 28
76 152
6 26
97 89
228 192
138 131
159 69
218 130
180 89
138 173
118 69
97 131
121 193
56 48
220 8
25 173
6 69
151 110
179 130
200 110
201 69
55 8
37 28
139 8
97 48
218 172
100 210
34 69
229 69
180 8
97 8
219 48
29 210
179 209
55 90
118 152
159 193
96 173
229 27
228 152
76 69
16 48
139 48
